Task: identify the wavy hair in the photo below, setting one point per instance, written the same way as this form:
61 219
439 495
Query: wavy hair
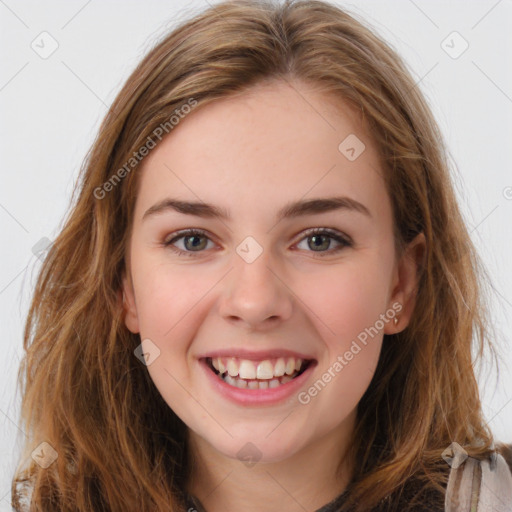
120 446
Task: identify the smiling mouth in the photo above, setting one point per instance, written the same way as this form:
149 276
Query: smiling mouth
271 381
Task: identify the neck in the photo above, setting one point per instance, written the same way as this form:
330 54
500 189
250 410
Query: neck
307 480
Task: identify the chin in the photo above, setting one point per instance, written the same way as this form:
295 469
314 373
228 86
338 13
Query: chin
254 448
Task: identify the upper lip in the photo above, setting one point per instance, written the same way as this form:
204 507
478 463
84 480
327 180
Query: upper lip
255 355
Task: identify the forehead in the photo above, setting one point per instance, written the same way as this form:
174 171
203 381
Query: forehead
259 149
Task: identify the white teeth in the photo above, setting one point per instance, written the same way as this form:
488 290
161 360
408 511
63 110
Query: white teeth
280 367
257 384
232 367
247 370
265 370
290 366
230 380
241 383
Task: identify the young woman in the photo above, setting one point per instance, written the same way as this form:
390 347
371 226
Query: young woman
265 296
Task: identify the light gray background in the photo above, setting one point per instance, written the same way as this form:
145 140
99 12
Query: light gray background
51 110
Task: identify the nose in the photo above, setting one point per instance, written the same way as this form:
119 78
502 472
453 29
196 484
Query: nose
256 294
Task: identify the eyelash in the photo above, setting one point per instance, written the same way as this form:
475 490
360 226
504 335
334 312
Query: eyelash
344 241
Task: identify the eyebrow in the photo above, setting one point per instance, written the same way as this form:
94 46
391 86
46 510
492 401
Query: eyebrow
290 210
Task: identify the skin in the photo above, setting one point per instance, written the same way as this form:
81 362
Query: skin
251 154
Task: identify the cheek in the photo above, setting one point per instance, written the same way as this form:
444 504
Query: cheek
348 306
168 305
348 300
166 298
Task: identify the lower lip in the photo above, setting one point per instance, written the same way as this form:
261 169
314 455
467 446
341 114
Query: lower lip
257 396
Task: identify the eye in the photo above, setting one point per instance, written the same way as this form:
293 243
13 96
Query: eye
190 237
318 235
322 239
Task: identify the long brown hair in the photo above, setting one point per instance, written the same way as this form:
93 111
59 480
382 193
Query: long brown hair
120 447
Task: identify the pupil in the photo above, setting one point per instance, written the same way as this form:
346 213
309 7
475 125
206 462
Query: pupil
315 238
192 238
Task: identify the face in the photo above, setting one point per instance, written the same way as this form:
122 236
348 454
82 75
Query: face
294 319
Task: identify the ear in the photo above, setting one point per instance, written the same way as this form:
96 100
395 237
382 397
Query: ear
131 319
405 283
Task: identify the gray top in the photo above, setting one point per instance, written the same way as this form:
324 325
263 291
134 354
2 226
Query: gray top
473 486
194 505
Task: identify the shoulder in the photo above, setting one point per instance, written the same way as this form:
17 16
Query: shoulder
481 485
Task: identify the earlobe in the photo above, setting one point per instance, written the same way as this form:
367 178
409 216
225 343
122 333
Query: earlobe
407 277
131 319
